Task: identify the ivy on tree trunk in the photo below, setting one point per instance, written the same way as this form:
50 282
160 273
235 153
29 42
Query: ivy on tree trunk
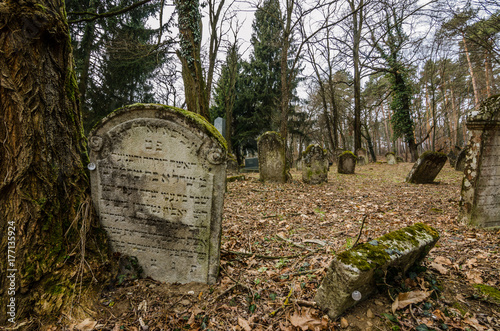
43 184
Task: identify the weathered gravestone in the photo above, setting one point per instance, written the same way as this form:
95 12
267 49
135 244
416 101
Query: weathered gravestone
346 163
338 152
220 125
460 162
480 195
427 167
362 156
272 163
363 267
158 176
315 165
391 158
251 164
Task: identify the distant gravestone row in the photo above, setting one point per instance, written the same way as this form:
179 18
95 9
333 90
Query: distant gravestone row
480 202
158 177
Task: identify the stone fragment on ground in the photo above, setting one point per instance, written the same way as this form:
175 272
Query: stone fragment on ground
359 268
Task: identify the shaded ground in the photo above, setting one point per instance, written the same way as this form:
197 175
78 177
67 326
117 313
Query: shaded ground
278 238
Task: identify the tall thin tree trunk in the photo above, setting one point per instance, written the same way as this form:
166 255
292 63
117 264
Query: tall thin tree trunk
471 71
42 179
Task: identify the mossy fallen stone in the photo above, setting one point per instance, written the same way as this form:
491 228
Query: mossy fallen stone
314 165
427 167
359 268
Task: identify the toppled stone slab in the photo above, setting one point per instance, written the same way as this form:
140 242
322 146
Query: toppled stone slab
427 167
359 269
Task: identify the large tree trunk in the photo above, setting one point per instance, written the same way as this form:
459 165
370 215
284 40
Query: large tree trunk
43 185
190 30
472 75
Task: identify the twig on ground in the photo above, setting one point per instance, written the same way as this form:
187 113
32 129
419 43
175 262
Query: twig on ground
293 243
360 231
267 257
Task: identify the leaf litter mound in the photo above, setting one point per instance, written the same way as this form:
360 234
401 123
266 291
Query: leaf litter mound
277 240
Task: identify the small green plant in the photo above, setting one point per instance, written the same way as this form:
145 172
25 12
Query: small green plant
281 263
348 243
256 281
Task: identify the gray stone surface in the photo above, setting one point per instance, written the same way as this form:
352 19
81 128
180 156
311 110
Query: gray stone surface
427 167
272 163
361 268
158 188
220 125
346 163
315 165
391 158
362 156
460 161
480 194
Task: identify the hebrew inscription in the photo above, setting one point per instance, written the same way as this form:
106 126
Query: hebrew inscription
154 190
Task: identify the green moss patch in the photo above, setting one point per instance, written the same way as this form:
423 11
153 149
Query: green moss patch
489 292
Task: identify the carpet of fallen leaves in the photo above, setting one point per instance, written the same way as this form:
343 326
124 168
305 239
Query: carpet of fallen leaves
277 240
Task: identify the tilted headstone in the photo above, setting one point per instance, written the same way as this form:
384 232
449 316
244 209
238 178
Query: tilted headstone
158 177
315 165
362 268
460 162
362 156
391 158
399 159
272 162
346 163
480 194
220 125
427 167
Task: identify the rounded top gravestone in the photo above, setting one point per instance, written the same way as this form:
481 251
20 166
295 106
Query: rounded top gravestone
158 186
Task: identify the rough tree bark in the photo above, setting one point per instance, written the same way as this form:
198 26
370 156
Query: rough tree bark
197 99
43 185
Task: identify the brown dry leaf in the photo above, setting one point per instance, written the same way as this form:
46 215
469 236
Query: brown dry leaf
443 260
439 267
244 324
405 299
305 321
344 323
86 325
474 323
474 276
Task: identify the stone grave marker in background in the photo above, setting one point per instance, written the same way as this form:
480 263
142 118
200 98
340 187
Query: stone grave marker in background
391 158
346 163
272 163
315 165
251 165
362 156
427 167
220 125
480 194
460 162
158 177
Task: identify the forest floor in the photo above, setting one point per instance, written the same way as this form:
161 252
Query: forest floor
277 240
